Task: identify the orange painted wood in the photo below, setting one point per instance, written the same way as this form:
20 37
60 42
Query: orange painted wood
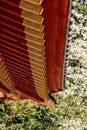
14 49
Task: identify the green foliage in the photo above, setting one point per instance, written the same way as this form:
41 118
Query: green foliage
81 8
25 116
74 62
33 116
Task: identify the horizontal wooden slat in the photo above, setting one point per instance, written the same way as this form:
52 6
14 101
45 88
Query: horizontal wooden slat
35 26
27 81
36 2
34 33
25 67
11 23
20 71
5 78
25 53
13 35
10 6
23 39
21 46
25 5
21 64
26 23
32 17
14 27
31 7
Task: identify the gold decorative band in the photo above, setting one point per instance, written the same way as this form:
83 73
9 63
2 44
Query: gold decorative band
32 17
